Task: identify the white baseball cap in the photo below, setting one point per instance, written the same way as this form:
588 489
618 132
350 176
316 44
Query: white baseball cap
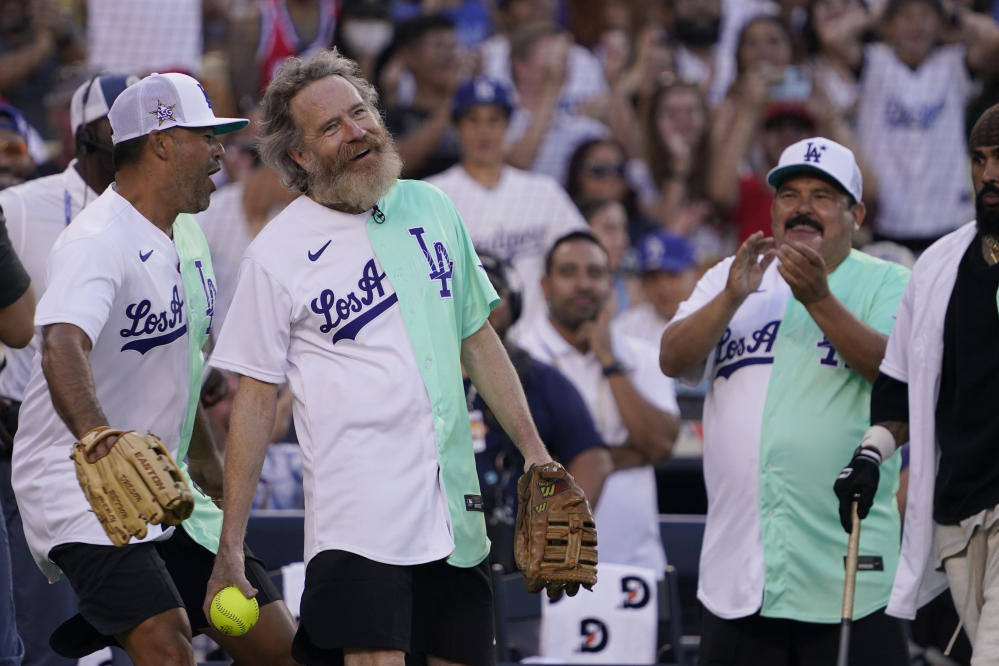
824 157
93 99
162 101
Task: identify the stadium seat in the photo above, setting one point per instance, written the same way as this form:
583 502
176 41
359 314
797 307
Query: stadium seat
671 649
682 535
513 604
277 537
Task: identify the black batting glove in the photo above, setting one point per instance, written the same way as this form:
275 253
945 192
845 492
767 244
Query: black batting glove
858 481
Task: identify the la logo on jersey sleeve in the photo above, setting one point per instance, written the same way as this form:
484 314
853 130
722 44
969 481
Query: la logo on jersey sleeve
441 266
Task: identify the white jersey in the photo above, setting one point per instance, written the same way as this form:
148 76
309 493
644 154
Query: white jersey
518 220
115 275
368 445
37 211
640 321
911 124
627 515
227 231
914 355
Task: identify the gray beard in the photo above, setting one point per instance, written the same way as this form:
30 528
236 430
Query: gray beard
339 187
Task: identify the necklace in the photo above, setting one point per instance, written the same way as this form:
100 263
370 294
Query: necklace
992 248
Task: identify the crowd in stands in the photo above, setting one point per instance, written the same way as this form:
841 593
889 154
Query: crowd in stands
675 109
650 123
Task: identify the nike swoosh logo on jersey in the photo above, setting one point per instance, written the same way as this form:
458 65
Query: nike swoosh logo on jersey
145 256
315 255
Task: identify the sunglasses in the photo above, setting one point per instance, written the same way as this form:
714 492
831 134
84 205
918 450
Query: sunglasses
14 149
605 170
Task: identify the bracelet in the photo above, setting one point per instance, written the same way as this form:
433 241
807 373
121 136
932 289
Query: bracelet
880 439
615 368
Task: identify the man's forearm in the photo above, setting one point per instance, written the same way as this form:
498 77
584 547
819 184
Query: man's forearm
627 455
522 153
590 469
861 346
488 366
898 429
17 325
685 345
251 421
66 366
650 429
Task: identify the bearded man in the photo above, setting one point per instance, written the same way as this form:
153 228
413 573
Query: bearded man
936 390
367 296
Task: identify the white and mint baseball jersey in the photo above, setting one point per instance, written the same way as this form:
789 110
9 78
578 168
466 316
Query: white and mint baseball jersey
782 415
114 275
364 316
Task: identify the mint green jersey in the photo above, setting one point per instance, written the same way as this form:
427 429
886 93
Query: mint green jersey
782 416
205 522
445 297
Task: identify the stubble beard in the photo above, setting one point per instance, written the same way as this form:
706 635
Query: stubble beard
339 185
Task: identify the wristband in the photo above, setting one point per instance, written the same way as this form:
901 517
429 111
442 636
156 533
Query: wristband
880 439
615 368
868 453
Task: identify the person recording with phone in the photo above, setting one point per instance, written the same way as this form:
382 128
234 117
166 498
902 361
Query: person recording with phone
772 104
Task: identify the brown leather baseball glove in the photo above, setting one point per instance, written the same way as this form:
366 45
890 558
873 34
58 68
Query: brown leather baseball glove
555 541
137 482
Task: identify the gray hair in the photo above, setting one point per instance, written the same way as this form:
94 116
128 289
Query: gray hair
278 132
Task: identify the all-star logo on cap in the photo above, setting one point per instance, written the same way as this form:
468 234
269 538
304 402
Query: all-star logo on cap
163 112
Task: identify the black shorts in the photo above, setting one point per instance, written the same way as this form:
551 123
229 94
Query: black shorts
875 640
425 609
118 588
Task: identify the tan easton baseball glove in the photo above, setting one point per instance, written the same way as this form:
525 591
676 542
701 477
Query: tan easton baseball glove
137 482
555 541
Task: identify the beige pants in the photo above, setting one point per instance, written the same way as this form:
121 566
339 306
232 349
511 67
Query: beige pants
973 573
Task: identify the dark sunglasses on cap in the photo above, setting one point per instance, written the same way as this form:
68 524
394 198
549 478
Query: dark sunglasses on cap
605 170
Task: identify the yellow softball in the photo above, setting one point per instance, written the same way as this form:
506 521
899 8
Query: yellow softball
232 613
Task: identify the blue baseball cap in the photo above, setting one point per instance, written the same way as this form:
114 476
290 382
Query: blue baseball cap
663 251
12 119
478 91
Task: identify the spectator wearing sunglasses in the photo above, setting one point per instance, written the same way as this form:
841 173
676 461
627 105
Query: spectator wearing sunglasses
600 169
16 164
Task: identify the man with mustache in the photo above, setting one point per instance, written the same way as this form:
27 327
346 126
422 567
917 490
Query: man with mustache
126 310
366 294
936 390
788 334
